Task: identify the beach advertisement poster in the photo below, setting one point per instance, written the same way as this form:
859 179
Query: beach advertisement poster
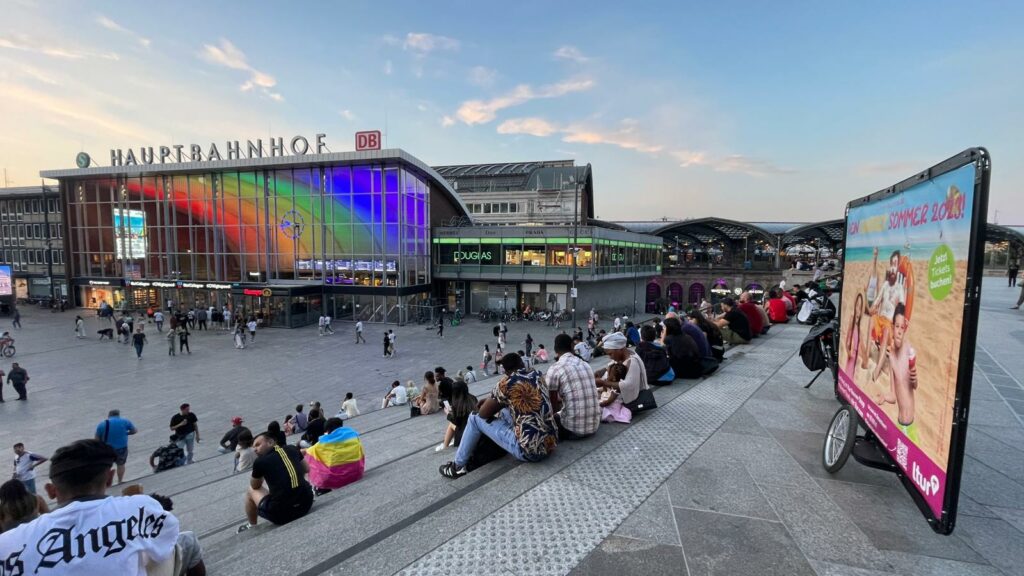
5 281
129 233
904 289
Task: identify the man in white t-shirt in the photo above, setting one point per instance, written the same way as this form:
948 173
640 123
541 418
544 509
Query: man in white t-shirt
397 396
359 332
327 324
582 350
25 464
320 325
90 532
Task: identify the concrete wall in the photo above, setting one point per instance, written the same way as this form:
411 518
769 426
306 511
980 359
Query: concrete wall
610 297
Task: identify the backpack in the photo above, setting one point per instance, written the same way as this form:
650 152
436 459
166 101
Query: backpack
810 352
496 331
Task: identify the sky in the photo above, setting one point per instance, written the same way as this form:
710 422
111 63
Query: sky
754 111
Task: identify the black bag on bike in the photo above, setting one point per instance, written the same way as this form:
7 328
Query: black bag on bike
810 350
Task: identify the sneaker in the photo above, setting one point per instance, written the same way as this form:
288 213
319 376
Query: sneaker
244 527
439 447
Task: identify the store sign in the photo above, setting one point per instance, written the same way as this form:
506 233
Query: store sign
369 140
264 292
5 281
178 284
475 256
99 282
233 150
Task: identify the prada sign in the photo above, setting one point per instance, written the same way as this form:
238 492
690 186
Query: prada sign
233 150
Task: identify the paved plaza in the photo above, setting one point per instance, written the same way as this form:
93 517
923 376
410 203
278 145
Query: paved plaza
723 478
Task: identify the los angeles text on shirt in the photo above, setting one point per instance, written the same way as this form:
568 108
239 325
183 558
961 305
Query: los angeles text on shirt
62 545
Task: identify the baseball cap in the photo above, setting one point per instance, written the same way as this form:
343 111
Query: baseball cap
236 420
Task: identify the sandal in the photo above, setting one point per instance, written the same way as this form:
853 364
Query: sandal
450 470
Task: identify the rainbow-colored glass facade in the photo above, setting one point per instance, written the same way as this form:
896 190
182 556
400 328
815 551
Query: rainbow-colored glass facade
359 225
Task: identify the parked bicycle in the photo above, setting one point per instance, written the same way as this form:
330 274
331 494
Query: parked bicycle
7 345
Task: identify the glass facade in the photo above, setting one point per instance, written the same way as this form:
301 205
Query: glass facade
551 254
344 225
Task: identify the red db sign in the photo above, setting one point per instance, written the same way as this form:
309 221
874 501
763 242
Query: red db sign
369 140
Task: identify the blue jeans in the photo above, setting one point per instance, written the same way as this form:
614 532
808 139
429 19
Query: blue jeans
188 444
30 485
500 430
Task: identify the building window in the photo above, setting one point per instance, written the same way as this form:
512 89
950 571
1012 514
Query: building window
61 253
31 257
513 207
36 233
533 255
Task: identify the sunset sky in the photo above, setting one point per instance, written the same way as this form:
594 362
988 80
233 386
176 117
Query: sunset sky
747 110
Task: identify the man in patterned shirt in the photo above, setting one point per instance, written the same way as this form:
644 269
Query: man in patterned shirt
517 417
573 392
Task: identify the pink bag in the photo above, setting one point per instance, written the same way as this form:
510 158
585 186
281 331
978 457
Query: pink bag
616 412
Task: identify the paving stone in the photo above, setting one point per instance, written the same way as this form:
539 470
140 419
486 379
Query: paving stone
823 530
1000 542
993 414
717 485
988 486
765 460
653 521
720 544
618 555
890 519
742 422
806 449
1013 516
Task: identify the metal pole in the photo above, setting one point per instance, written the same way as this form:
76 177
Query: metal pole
575 246
636 271
49 243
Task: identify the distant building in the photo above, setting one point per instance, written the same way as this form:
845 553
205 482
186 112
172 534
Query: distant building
524 193
32 237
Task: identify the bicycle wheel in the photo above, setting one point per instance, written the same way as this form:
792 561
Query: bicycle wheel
839 440
8 351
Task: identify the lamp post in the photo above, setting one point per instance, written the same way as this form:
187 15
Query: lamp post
504 301
575 244
636 273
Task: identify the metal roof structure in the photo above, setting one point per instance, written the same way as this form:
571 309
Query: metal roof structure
831 231
1000 233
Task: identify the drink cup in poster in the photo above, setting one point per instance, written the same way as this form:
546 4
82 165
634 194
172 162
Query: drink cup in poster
912 358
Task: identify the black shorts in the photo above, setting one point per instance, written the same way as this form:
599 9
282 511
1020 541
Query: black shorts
122 455
278 511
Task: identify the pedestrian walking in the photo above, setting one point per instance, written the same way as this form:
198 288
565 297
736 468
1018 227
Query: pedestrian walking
185 426
17 377
158 319
359 332
79 327
139 341
25 464
529 344
327 324
387 345
486 359
114 432
393 337
16 322
227 318
1012 272
320 326
171 337
183 335
251 325
201 318
130 320
239 337
440 329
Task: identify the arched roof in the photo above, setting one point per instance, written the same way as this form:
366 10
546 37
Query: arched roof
999 233
707 230
831 231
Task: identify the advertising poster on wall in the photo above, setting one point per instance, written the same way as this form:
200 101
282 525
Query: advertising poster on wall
5 281
130 233
909 320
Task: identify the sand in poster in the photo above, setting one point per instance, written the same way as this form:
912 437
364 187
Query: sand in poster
904 284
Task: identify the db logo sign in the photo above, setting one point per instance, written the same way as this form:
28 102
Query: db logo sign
368 140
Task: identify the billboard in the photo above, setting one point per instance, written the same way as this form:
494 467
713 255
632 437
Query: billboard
909 306
129 233
5 281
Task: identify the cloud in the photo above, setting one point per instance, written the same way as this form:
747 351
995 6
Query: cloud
114 26
347 115
628 137
421 43
625 137
73 112
481 112
35 46
482 76
228 55
447 121
532 126
736 163
39 75
388 68
571 53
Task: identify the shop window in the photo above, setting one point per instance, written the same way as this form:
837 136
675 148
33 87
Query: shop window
559 256
585 257
533 255
512 256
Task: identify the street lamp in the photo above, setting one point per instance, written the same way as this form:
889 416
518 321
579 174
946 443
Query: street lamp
504 301
636 273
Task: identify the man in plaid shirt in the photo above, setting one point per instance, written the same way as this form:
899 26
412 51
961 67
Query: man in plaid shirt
573 392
